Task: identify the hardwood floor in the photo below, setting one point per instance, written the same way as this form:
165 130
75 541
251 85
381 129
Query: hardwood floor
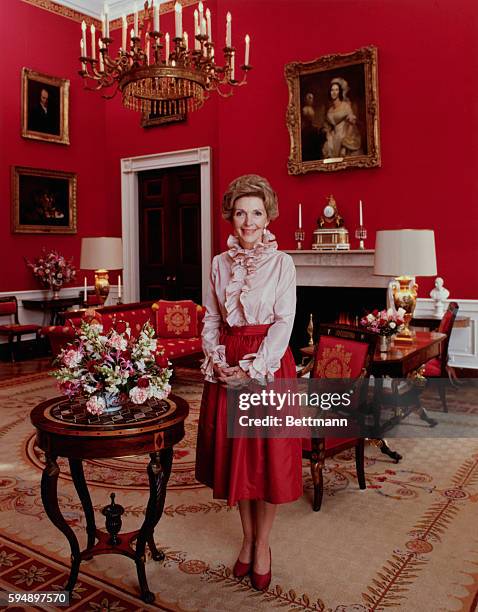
10 370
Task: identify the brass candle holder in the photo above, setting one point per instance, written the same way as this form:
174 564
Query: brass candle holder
299 237
361 235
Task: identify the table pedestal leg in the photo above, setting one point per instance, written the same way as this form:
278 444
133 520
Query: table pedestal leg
159 470
78 476
49 495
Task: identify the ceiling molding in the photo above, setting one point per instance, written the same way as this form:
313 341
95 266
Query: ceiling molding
77 10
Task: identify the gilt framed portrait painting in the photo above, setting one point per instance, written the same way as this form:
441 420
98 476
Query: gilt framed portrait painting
333 115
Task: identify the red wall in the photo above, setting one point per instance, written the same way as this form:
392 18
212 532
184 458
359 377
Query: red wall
49 43
428 54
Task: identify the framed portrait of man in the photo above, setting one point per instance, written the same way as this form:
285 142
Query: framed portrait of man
43 201
45 107
333 115
163 112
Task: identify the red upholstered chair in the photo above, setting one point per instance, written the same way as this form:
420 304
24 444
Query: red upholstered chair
342 352
438 367
12 329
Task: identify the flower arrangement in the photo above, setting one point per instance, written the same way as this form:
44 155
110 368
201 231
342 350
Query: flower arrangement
52 269
384 322
100 366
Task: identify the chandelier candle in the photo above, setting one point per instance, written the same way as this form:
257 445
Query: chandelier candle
228 30
156 17
360 214
107 23
124 32
246 53
167 47
136 18
197 44
178 21
93 42
300 216
83 37
208 20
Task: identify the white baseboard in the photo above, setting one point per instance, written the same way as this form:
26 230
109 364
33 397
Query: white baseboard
463 348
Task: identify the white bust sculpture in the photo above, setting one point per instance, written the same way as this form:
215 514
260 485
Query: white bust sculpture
439 295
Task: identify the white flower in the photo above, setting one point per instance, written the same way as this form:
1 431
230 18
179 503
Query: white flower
96 404
400 312
138 395
392 325
390 312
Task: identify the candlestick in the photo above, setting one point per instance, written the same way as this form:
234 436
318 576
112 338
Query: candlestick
83 36
361 235
360 214
156 17
300 216
82 54
85 292
228 30
246 54
299 237
131 36
102 65
148 45
119 285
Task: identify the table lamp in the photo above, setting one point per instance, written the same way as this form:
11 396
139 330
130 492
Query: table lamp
101 254
405 254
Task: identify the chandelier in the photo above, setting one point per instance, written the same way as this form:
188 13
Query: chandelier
156 74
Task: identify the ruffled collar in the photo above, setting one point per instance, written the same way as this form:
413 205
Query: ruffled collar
266 245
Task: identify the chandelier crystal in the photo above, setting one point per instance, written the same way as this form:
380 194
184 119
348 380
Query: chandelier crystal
156 74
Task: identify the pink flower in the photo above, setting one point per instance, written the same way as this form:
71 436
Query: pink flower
118 342
138 395
72 358
96 404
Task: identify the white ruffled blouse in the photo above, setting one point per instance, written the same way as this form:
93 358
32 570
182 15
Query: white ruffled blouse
250 287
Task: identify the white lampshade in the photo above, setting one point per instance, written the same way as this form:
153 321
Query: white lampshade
101 253
406 252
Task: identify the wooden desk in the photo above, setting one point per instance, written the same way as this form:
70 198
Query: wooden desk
54 307
401 361
65 429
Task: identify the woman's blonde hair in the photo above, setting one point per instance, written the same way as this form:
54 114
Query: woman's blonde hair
250 185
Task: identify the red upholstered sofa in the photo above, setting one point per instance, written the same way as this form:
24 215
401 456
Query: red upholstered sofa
179 322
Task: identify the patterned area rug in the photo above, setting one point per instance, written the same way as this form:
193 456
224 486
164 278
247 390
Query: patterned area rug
408 542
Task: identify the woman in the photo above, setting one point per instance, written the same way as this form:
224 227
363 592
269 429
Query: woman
343 136
250 312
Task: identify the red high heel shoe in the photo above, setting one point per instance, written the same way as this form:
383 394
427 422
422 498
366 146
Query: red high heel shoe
262 581
241 569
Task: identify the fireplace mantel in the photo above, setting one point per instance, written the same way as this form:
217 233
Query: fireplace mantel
352 268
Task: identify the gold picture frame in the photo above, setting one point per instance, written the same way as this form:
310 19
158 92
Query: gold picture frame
43 201
333 112
45 102
163 113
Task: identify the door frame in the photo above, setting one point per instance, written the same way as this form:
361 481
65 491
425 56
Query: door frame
130 167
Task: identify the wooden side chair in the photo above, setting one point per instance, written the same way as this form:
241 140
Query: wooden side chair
438 367
12 329
342 352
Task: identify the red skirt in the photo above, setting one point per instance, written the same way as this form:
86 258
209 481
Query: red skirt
245 468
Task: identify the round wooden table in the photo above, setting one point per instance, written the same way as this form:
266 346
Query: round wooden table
65 429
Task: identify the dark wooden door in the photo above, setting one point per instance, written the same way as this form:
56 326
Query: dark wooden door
170 234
